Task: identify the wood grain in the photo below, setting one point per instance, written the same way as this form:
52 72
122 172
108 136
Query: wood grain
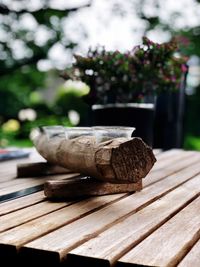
192 259
29 213
86 186
172 167
121 237
168 158
118 160
16 185
100 231
22 202
20 235
168 244
68 237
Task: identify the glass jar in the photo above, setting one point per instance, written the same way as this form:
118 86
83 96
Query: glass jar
105 133
53 131
73 132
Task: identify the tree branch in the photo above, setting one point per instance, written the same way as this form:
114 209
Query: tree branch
5 10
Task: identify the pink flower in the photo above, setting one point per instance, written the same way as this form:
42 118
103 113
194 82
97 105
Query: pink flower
184 68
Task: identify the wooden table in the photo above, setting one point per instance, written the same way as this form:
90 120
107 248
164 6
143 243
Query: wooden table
158 226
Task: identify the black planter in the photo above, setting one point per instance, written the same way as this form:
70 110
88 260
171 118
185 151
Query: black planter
140 116
169 121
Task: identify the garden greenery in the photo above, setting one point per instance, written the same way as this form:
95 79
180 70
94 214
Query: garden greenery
117 77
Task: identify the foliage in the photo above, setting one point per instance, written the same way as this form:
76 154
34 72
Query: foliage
28 32
19 74
15 92
192 143
114 76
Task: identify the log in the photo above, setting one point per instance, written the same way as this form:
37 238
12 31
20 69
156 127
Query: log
86 186
120 160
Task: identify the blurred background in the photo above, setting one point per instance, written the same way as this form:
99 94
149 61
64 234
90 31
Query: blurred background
37 42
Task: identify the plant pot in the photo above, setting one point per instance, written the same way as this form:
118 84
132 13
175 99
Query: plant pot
169 120
138 115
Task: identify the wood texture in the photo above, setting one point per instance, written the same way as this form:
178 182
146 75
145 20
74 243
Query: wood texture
22 202
181 232
192 259
172 167
120 238
39 169
33 229
118 160
68 237
17 185
29 213
161 221
86 186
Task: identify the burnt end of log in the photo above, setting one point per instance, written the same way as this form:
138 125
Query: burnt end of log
130 162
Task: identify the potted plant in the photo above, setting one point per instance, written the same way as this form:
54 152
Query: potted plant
129 82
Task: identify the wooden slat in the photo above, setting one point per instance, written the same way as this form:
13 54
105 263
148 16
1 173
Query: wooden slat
192 259
66 238
19 181
168 244
117 240
170 168
22 183
47 223
161 173
8 168
170 153
29 213
29 182
169 161
166 158
22 202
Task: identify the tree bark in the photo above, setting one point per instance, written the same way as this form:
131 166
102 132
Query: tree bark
120 160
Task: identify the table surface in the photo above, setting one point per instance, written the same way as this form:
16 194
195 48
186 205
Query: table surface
158 226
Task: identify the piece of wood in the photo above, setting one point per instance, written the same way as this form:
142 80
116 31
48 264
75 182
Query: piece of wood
39 169
170 243
120 160
192 259
121 237
86 186
64 239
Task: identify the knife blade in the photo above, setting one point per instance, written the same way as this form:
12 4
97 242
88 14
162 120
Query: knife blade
21 193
